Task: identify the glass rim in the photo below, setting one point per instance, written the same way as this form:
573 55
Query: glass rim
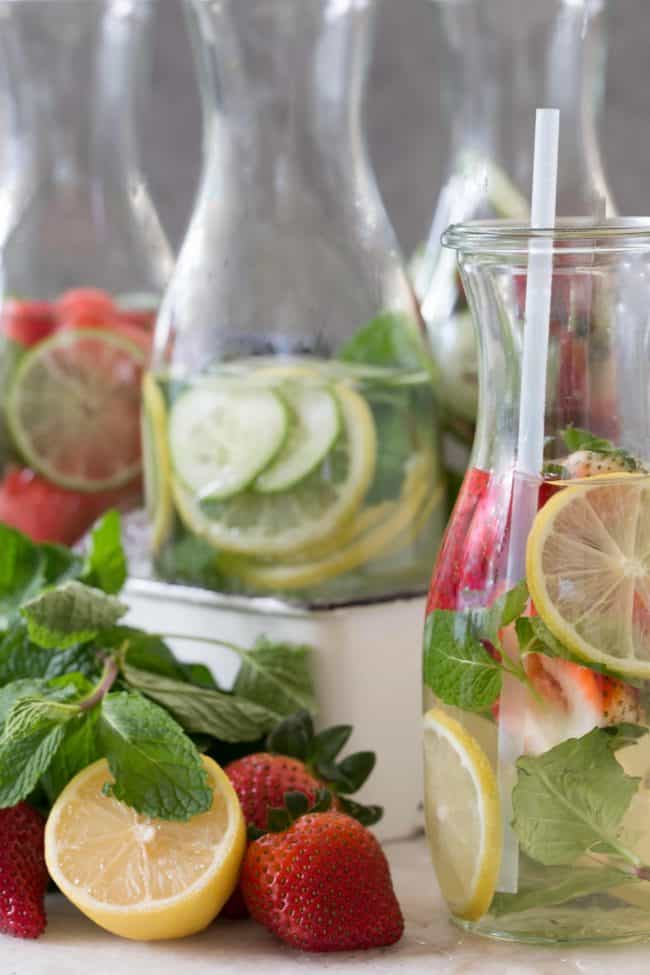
570 234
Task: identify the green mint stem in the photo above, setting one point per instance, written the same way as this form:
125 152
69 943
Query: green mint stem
106 681
210 641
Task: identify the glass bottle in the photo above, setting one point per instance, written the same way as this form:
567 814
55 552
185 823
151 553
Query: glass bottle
83 261
289 407
536 742
502 59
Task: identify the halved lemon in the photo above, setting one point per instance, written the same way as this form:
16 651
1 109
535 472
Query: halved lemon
157 464
138 877
461 807
588 570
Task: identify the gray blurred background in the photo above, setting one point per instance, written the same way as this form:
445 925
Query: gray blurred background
406 135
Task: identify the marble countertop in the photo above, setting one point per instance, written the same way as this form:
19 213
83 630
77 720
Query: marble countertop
431 945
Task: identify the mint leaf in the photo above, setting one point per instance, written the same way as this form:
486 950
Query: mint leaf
20 658
31 735
105 566
557 885
146 651
535 637
77 750
60 564
457 667
573 797
201 710
391 339
15 691
512 604
22 572
200 675
69 614
276 676
157 769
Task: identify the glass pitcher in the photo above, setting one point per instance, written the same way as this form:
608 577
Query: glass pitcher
289 413
501 59
83 262
537 684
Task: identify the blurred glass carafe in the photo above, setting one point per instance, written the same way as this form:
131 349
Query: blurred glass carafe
291 436
502 60
83 261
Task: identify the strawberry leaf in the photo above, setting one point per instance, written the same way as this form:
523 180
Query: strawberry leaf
328 743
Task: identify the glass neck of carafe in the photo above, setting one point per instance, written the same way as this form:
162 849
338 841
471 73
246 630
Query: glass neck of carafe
74 206
282 87
501 60
72 77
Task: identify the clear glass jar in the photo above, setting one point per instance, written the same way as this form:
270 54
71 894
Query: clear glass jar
500 60
537 752
83 258
289 408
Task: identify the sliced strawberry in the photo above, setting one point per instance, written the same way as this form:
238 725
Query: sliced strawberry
85 308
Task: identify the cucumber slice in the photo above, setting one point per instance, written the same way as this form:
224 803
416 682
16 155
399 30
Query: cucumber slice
315 427
222 437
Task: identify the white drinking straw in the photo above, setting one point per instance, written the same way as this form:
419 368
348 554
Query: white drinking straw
530 453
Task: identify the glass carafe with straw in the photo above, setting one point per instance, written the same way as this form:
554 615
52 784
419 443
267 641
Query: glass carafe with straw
499 59
537 639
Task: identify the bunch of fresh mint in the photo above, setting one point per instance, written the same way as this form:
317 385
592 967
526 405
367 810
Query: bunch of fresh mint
75 685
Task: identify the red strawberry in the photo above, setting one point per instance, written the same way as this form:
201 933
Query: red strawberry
48 513
23 874
28 322
322 884
261 781
86 308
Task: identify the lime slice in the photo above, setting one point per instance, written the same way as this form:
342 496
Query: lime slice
315 509
315 426
588 570
461 807
157 466
73 409
222 436
371 541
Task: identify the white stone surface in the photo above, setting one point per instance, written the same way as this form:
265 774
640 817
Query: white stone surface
431 945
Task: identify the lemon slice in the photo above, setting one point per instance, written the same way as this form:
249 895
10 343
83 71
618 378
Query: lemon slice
461 807
157 465
138 877
588 570
350 553
73 407
313 510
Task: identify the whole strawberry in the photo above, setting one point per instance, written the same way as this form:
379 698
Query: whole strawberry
321 883
23 874
261 781
297 760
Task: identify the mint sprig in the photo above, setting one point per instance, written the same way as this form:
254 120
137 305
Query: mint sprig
75 685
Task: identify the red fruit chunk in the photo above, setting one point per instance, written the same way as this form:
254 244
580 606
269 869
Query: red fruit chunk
28 322
322 885
48 513
23 874
85 308
261 780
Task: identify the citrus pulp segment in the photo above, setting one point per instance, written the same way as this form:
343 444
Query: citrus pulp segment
461 806
314 428
251 523
138 877
158 497
222 436
73 409
588 570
